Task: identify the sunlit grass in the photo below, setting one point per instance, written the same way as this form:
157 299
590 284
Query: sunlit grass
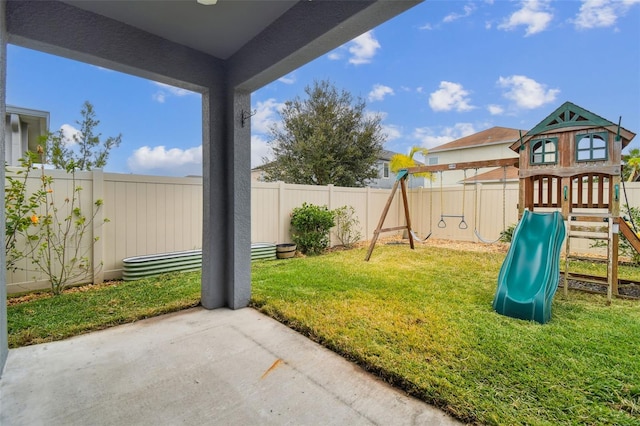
76 312
423 320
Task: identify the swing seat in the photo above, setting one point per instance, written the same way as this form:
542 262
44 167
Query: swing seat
418 239
483 240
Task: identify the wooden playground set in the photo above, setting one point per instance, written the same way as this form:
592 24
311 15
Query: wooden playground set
571 163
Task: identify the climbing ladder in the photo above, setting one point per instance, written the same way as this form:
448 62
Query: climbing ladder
594 227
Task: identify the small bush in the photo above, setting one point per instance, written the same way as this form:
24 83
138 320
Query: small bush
310 226
624 246
507 235
347 226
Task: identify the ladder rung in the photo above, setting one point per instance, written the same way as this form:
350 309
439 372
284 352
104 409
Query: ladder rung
586 259
593 280
587 228
594 236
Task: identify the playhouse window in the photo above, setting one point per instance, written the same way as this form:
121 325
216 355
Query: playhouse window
544 151
591 147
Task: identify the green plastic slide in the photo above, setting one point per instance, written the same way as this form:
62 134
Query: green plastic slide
530 273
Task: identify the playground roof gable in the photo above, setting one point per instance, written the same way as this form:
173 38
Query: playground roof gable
570 117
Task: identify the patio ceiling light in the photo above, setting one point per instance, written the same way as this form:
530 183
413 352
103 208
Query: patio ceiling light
207 2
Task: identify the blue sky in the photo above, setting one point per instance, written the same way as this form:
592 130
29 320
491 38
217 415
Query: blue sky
440 71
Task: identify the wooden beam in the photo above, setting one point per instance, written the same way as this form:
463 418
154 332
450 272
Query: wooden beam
504 162
626 230
376 233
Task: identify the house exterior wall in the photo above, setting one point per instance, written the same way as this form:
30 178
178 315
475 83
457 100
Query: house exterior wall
383 182
23 129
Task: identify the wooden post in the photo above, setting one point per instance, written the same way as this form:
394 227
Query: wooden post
610 262
566 201
405 202
381 221
614 208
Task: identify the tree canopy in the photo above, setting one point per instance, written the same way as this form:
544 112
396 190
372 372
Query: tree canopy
631 168
325 138
86 151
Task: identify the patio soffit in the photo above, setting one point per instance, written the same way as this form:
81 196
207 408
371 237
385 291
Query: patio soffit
255 41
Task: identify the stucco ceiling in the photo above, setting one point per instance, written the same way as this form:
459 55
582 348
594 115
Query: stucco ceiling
219 30
249 43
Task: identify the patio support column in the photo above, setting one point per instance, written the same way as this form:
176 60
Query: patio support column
239 213
226 245
4 347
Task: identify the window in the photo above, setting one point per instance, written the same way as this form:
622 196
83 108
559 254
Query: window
433 161
591 147
544 151
385 170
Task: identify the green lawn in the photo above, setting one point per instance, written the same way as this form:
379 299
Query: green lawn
420 319
423 320
49 318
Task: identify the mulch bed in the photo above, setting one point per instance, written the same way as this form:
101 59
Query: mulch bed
626 290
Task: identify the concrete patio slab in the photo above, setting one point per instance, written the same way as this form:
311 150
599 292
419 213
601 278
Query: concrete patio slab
198 367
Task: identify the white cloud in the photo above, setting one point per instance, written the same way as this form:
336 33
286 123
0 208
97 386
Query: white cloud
176 91
426 26
495 109
360 50
535 15
288 79
266 114
259 149
392 132
450 96
165 90
363 48
429 138
601 13
525 92
468 10
159 97
168 162
379 92
70 135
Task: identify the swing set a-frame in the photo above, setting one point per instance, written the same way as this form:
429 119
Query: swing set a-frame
401 182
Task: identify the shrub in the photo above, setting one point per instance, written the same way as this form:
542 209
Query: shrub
507 235
310 226
624 246
347 226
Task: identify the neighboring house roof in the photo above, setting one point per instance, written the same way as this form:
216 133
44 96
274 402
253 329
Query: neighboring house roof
492 136
386 155
570 116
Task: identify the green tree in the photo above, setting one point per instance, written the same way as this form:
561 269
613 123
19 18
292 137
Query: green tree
631 168
326 138
91 152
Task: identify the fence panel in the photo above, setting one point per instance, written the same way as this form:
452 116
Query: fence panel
149 214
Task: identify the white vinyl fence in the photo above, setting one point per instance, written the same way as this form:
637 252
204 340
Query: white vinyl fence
150 214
